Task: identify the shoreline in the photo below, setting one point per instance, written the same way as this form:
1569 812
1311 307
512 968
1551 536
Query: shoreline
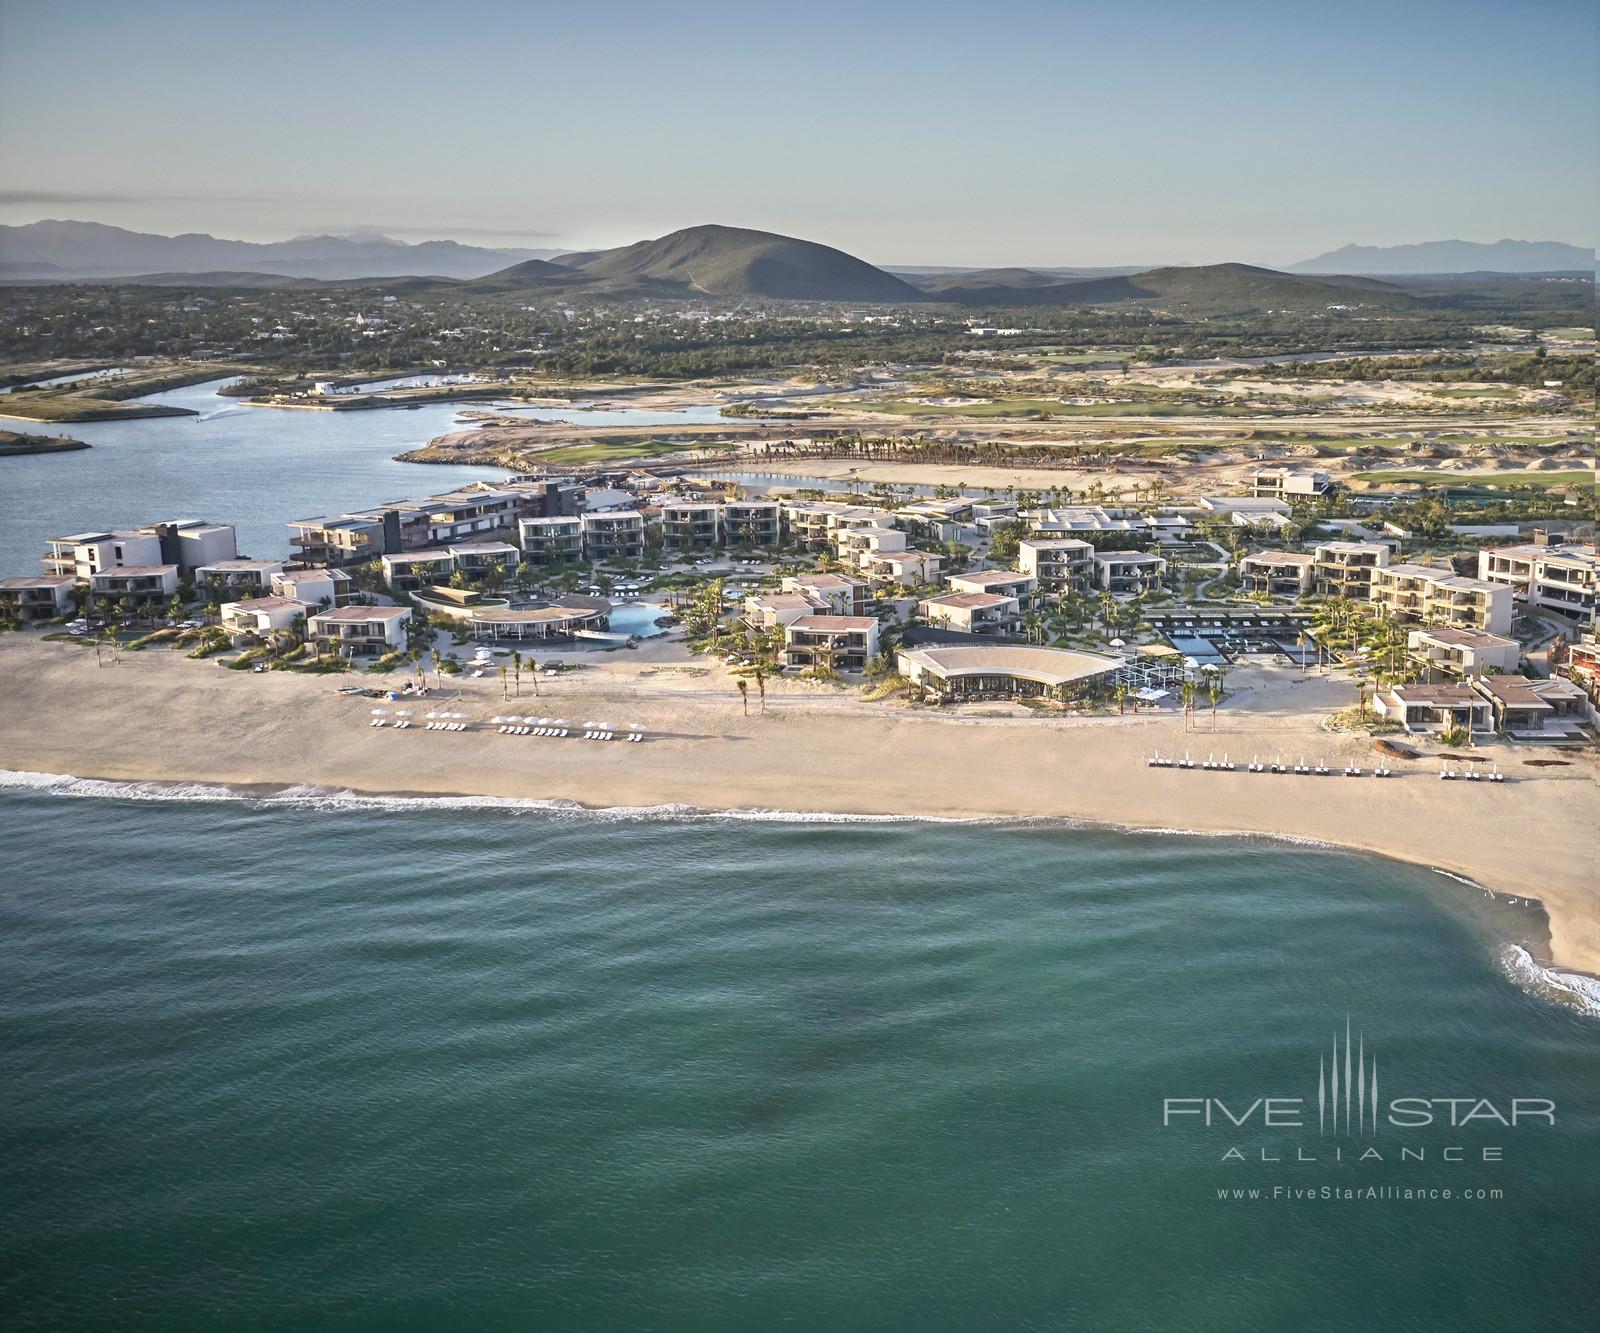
1545 971
817 753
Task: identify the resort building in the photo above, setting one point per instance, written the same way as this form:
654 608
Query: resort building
551 541
480 561
356 630
1423 595
1461 653
228 580
700 525
936 520
852 543
910 568
841 595
1245 510
1534 709
1006 582
344 539
141 584
774 610
691 525
1061 564
613 534
751 523
1277 573
407 571
974 613
806 523
190 544
1549 577
842 643
1432 708
1291 484
472 513
1064 520
1011 671
257 618
1129 571
87 553
1345 568
30 598
315 586
544 622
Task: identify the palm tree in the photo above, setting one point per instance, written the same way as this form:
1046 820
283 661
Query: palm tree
503 676
1186 692
533 674
1120 694
744 694
516 671
1218 675
761 686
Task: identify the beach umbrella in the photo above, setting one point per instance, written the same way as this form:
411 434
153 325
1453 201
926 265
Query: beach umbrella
1117 643
636 726
380 712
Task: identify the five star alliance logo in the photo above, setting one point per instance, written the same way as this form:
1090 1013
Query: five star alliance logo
1340 1091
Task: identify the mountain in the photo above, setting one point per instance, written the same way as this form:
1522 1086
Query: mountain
69 250
1452 257
1200 289
731 261
984 277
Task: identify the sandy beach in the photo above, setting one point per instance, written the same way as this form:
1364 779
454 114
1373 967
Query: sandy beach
156 716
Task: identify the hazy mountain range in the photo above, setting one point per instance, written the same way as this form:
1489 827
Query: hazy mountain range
1452 257
67 250
64 251
705 261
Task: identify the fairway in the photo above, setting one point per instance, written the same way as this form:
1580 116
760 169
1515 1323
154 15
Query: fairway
1048 407
1489 480
605 451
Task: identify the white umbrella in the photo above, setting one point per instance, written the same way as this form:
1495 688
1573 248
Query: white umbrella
380 712
1117 643
636 726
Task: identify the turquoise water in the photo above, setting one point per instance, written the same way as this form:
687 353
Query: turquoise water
282 1066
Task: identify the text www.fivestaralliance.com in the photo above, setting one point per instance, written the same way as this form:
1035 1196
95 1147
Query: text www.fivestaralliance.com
1355 1194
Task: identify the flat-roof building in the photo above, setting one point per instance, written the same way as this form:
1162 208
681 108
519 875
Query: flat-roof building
948 674
839 643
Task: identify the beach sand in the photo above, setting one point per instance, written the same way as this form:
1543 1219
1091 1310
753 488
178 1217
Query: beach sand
157 716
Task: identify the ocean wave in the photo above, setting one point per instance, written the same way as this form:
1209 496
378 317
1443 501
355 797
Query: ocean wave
311 797
1569 988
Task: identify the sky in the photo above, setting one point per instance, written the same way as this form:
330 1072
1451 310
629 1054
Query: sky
1010 132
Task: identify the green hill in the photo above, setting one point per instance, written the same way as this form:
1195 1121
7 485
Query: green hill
1202 289
714 261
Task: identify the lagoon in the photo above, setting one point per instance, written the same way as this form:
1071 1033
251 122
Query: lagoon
254 467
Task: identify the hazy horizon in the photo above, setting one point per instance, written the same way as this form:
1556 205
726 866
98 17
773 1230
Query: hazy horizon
1058 135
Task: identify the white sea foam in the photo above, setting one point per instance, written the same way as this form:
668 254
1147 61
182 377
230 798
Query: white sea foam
312 797
1571 988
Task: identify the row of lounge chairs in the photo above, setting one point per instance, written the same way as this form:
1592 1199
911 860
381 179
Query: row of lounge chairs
557 728
1226 765
1448 774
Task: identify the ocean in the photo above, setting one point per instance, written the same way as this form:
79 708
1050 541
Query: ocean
308 1063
